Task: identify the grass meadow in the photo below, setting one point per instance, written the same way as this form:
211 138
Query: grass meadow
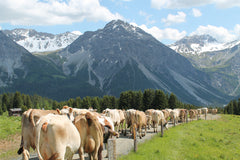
9 126
10 131
197 140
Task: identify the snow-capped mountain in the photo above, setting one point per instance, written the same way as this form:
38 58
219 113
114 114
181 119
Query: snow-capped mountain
35 41
19 68
111 60
198 44
220 60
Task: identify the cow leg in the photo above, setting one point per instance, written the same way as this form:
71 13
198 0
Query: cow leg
140 132
145 130
81 153
106 147
90 156
25 154
95 155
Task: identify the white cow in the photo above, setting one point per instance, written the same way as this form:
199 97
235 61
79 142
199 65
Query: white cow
75 111
114 115
56 137
174 114
158 118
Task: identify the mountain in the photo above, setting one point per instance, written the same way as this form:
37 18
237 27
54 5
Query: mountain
111 60
219 60
35 41
122 57
22 71
198 44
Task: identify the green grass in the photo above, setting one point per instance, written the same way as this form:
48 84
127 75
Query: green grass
198 140
9 126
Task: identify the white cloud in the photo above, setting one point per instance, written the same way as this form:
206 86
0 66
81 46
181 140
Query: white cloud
52 12
163 34
173 4
219 33
0 28
147 17
171 19
196 12
237 30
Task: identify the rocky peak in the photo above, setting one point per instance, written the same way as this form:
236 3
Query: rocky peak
197 39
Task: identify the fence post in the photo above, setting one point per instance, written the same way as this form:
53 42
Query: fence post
186 116
111 149
162 128
135 137
205 115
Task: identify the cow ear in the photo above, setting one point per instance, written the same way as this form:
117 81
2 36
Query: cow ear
58 111
70 110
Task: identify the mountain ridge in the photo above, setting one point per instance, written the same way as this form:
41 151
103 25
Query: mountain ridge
35 41
113 59
220 63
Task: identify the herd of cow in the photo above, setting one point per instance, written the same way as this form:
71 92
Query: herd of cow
59 134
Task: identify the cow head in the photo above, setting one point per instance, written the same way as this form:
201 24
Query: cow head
67 111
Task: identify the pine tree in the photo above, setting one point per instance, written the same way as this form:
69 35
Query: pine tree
235 107
148 97
55 105
123 101
113 102
17 100
86 102
70 102
29 103
5 102
172 102
106 103
95 104
78 102
160 100
1 111
139 100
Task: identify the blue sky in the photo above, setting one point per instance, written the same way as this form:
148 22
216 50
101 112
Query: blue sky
166 20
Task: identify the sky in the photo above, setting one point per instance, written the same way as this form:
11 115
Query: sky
167 20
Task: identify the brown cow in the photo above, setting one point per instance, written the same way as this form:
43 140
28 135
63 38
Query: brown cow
182 115
192 113
91 134
214 111
166 114
148 112
141 121
129 119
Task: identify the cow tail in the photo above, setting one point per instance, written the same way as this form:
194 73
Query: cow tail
37 140
20 150
31 118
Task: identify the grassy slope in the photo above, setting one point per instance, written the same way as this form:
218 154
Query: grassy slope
203 140
9 126
10 131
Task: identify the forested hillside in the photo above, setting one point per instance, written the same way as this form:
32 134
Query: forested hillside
150 98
